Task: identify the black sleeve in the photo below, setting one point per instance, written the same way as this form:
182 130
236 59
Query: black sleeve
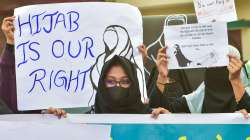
155 98
177 105
244 103
173 104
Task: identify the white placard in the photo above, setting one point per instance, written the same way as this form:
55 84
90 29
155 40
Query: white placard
132 126
41 131
197 45
215 10
211 118
60 50
198 118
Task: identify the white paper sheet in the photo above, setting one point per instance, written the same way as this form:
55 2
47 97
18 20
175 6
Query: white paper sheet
215 10
197 45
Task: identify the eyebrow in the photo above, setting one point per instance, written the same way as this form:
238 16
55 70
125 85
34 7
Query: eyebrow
115 77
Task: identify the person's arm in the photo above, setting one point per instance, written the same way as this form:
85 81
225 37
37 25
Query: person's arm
144 52
244 102
161 80
177 105
238 88
173 104
159 97
8 58
241 96
156 96
162 67
234 69
8 29
7 66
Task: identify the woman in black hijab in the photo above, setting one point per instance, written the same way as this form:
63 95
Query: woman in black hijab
218 92
119 92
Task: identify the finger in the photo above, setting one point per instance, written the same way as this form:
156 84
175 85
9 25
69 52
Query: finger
10 26
162 50
245 113
64 114
161 55
142 46
9 23
236 61
12 18
142 49
55 113
155 113
230 69
165 111
59 113
231 56
9 29
51 110
233 65
159 111
163 61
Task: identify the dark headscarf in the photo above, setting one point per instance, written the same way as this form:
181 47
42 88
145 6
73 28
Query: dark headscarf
219 96
132 103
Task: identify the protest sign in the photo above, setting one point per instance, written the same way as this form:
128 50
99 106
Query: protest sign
215 10
60 50
230 126
197 45
220 126
10 130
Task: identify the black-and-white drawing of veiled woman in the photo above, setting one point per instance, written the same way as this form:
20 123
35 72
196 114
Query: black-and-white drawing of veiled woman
208 59
117 41
153 47
181 58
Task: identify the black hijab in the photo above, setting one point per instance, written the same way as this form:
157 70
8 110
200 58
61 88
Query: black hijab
219 96
132 104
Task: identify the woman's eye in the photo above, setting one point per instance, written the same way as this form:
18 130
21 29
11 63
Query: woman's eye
125 82
110 81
